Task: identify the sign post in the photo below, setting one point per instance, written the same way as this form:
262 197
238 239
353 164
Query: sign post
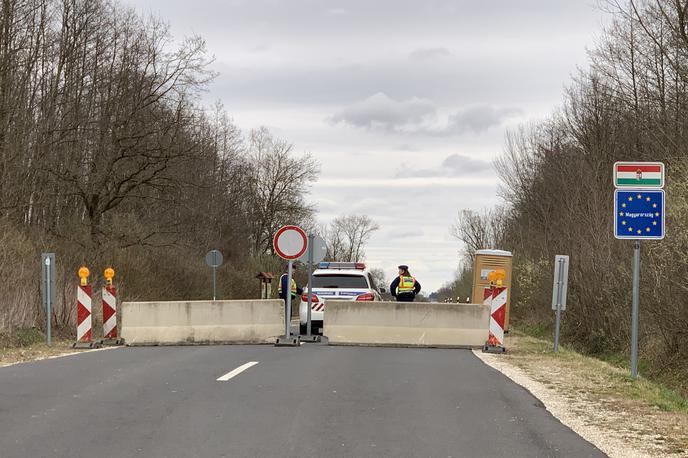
214 259
638 214
561 276
48 290
290 243
317 248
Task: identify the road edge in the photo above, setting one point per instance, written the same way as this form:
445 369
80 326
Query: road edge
559 408
61 355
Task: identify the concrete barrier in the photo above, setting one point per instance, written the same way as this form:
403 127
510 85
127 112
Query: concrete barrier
423 324
202 322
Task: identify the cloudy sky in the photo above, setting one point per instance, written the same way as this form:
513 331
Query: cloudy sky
404 103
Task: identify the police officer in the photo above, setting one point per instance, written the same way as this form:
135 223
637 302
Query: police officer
282 287
405 287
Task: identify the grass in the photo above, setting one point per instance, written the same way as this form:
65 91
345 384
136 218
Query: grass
642 411
29 344
611 369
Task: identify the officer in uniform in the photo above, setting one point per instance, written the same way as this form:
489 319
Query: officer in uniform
282 287
405 287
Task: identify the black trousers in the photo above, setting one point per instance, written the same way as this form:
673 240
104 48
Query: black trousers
406 297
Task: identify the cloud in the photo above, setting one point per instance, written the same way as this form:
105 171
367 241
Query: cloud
429 53
411 233
381 112
336 12
453 166
419 116
478 118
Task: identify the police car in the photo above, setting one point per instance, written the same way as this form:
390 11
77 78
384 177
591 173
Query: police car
341 281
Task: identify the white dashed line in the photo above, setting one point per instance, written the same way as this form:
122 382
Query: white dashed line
237 371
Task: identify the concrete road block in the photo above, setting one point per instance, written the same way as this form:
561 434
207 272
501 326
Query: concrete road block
202 322
423 324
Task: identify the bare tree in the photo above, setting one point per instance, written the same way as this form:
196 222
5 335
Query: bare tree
280 183
347 237
479 230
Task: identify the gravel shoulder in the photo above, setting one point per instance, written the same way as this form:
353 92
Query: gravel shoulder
602 403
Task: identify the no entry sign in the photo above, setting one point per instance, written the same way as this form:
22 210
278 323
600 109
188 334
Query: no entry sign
290 242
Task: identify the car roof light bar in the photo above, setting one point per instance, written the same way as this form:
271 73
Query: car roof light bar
342 265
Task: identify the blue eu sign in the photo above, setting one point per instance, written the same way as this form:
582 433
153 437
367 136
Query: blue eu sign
639 214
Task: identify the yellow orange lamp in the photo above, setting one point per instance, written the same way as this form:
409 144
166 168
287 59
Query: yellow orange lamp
83 275
500 275
109 274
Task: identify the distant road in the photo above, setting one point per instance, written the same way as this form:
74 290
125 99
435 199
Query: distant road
315 401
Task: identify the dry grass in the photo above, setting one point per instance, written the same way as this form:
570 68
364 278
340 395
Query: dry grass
622 416
29 345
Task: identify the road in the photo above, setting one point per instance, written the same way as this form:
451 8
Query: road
315 400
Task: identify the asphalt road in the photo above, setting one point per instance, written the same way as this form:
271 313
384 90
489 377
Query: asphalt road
315 401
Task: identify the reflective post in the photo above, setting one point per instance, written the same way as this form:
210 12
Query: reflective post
560 284
48 305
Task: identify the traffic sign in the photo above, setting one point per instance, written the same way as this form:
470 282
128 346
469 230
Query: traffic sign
639 214
319 247
214 258
290 242
48 279
639 175
561 279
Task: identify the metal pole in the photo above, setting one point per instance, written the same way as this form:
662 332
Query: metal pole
556 328
48 308
214 282
635 310
287 314
311 238
560 283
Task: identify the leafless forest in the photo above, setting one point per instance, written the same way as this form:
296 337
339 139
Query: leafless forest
107 157
632 104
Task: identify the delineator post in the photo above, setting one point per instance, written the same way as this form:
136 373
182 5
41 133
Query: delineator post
84 317
496 295
109 296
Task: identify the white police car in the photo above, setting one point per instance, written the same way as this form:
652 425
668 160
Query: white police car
340 281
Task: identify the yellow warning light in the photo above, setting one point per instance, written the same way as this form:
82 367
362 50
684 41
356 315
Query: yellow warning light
109 274
491 276
83 275
500 275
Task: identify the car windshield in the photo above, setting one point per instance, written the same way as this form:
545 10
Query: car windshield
339 281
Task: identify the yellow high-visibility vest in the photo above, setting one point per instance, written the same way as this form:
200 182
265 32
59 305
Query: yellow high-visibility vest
406 284
293 286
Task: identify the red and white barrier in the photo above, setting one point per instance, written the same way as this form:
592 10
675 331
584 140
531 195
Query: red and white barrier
84 325
109 312
496 296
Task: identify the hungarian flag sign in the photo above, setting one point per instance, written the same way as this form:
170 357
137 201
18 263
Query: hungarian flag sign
639 175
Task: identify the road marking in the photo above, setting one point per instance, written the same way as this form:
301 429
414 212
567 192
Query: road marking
61 355
237 371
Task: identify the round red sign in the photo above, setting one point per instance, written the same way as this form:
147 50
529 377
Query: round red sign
290 242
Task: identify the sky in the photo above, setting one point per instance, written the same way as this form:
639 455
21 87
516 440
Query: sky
404 103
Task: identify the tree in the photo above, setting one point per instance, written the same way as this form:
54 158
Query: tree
280 183
347 237
479 230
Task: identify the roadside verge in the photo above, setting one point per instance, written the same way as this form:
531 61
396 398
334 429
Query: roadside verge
621 416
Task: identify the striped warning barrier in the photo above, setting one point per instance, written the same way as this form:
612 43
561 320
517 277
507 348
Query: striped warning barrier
318 307
84 331
84 318
109 312
496 296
